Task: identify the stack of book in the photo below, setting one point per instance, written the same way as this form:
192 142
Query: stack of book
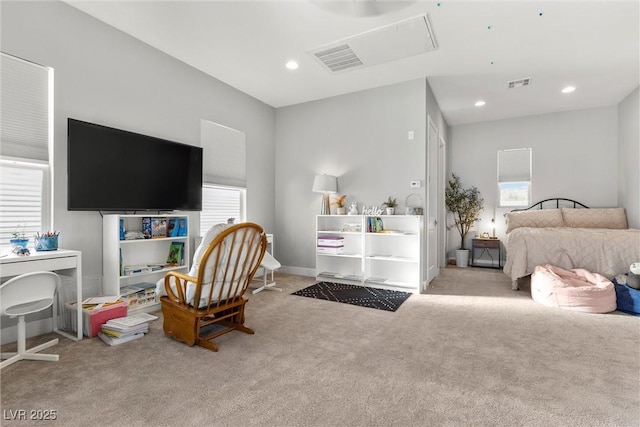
330 245
124 329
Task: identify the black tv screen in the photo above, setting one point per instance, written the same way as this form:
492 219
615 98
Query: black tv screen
115 170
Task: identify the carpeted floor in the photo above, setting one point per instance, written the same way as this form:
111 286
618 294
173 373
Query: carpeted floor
468 352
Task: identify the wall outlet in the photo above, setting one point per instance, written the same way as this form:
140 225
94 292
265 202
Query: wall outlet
415 184
410 135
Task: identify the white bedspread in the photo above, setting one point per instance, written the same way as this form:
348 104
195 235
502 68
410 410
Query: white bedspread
604 251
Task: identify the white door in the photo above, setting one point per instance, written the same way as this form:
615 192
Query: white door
432 201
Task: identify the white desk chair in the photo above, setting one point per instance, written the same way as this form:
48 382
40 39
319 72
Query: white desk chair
268 264
26 294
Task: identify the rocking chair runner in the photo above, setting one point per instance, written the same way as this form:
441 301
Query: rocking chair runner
193 306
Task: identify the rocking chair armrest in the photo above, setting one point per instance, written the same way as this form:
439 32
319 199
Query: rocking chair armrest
181 281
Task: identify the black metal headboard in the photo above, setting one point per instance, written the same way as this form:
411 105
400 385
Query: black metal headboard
557 201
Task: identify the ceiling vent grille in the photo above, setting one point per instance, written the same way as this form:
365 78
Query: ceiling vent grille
391 42
519 83
338 58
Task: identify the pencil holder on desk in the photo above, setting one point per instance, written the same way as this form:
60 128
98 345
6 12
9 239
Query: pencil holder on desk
47 243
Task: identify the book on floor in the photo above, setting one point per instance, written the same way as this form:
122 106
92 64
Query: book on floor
109 340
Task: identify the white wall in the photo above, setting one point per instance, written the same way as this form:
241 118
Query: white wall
105 76
629 157
362 139
575 155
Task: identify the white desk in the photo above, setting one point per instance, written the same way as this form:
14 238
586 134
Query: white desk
62 260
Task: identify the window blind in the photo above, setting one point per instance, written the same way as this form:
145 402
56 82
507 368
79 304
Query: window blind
220 204
24 108
514 165
224 157
21 195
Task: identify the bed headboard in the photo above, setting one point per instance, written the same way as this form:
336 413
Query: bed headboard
553 203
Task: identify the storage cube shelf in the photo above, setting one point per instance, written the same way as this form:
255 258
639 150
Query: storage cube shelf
146 258
388 259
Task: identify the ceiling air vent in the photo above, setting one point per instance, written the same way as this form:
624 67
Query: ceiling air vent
338 58
391 42
519 83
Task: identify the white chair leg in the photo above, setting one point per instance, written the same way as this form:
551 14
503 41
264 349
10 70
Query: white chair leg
43 357
48 344
32 353
10 360
269 286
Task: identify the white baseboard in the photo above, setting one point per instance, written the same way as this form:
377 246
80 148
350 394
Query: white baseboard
309 272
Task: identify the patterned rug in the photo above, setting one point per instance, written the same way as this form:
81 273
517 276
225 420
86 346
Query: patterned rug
363 296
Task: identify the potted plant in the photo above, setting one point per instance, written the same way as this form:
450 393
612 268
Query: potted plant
339 203
465 204
19 238
390 205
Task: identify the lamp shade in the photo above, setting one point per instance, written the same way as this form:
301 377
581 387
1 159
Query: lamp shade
325 184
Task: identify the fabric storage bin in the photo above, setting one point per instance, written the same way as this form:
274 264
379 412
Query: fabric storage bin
95 316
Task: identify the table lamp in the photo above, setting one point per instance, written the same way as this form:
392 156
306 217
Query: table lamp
325 184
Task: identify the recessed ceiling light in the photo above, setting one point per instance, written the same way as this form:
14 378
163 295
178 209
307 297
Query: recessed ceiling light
479 103
568 89
291 65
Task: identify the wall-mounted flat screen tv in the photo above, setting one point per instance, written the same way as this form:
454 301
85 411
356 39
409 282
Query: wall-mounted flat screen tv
115 170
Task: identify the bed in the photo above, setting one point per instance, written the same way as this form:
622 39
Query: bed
568 234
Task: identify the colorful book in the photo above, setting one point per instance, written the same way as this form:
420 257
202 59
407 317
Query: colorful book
176 253
146 227
158 228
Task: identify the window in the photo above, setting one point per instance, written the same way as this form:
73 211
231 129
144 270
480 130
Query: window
26 114
514 177
219 204
224 175
22 198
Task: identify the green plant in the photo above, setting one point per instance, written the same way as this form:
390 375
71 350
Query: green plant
465 204
390 203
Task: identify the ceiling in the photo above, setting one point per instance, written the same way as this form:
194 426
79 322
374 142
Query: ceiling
480 46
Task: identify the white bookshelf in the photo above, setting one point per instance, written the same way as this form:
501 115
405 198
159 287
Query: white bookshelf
390 259
117 253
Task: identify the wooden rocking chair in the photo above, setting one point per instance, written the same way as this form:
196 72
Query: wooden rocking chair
198 309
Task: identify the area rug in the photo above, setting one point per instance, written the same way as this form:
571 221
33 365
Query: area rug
363 296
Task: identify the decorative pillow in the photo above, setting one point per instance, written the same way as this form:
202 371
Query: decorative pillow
613 218
534 218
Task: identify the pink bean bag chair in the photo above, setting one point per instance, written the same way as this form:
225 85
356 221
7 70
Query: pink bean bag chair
576 290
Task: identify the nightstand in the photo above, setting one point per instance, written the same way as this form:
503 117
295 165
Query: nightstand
487 245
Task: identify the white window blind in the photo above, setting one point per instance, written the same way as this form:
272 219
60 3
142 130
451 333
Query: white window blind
224 157
219 204
514 177
21 200
24 108
514 165
26 135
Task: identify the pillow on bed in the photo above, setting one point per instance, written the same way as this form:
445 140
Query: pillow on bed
534 218
613 218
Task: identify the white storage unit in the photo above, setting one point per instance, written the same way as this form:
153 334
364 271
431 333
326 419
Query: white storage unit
146 256
390 258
